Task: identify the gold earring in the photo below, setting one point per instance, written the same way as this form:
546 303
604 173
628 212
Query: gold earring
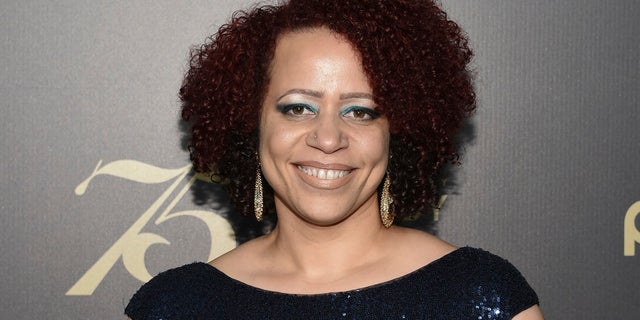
257 197
385 203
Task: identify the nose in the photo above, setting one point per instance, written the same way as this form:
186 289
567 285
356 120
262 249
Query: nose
327 135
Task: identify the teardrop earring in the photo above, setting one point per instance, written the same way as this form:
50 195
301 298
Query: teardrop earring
258 196
385 203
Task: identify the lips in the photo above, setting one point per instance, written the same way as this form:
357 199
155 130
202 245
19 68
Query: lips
327 174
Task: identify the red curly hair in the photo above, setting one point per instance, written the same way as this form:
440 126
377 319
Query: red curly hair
416 60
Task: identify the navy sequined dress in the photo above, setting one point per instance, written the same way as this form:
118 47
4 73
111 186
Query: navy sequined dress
465 284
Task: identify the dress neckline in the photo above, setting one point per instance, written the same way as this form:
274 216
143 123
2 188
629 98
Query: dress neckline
424 268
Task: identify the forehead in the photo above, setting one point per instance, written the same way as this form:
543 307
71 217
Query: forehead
318 55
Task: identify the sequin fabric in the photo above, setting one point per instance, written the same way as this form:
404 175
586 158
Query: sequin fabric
468 283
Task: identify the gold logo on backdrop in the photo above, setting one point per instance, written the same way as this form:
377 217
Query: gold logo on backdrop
133 244
631 232
436 210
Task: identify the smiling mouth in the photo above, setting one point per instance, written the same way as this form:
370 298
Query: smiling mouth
327 174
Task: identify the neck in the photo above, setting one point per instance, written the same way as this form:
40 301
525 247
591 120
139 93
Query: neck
328 251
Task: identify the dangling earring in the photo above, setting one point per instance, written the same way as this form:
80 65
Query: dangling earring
257 197
385 203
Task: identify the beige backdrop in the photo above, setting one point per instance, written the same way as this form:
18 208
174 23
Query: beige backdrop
96 192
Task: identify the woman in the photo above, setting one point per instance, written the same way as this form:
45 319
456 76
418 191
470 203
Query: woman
337 117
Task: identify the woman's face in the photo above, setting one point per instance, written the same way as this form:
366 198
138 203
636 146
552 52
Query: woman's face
323 147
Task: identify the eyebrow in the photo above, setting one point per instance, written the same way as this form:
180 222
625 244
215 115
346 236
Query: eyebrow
319 94
356 95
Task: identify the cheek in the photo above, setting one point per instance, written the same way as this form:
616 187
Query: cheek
377 148
276 141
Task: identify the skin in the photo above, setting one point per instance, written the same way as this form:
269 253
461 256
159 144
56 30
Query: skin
318 115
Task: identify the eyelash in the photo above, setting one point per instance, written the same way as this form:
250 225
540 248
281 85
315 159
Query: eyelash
367 111
288 109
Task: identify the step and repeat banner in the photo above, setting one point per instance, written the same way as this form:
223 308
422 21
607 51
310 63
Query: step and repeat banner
98 194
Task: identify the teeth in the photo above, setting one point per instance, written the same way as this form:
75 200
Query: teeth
324 173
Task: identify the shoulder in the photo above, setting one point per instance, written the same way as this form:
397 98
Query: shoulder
176 293
418 248
490 283
482 264
243 259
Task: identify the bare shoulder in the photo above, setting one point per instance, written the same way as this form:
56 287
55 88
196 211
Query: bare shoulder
418 246
420 241
235 262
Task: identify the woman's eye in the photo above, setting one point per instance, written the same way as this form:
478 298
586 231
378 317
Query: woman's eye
296 109
360 113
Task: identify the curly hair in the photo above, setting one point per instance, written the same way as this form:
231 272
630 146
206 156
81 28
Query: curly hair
416 60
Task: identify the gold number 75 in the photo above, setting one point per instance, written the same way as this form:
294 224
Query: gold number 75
133 244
